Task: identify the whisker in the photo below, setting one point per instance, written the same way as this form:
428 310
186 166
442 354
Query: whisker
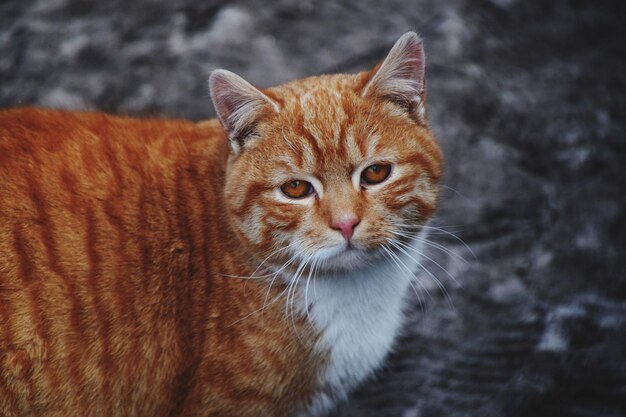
274 276
397 262
400 245
417 262
455 191
253 275
291 293
423 255
441 230
422 226
280 270
417 237
306 288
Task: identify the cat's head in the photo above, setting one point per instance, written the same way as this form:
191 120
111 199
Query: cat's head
325 169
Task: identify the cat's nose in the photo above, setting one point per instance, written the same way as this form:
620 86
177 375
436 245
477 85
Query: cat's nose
346 225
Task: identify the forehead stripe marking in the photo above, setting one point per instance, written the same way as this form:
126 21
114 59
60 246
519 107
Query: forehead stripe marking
308 136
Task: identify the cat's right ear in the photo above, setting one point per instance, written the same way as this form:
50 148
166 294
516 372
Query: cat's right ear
239 105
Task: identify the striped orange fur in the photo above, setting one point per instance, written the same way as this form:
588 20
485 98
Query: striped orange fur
125 243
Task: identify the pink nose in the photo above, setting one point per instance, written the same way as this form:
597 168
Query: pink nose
346 226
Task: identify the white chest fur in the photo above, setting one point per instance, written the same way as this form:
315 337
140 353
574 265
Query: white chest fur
358 315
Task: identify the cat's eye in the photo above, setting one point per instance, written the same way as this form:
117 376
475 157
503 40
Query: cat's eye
297 189
375 174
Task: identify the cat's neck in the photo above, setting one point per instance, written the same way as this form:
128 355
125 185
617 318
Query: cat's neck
357 314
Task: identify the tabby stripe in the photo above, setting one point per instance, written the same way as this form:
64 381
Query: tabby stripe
94 260
252 396
362 142
182 386
7 328
203 306
163 203
88 159
287 166
28 271
252 193
431 155
431 148
144 278
112 162
430 167
270 356
73 350
348 110
122 291
281 212
425 209
401 184
144 227
282 225
184 305
400 190
267 241
306 134
240 396
152 272
296 154
342 149
26 268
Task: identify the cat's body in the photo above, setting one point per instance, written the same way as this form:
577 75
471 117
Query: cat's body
107 292
152 268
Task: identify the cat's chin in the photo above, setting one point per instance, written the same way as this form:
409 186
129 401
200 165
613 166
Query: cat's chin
344 258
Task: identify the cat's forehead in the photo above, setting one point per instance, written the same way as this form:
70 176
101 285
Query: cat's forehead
319 95
324 115
317 126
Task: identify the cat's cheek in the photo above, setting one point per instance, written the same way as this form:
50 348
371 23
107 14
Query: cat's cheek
252 228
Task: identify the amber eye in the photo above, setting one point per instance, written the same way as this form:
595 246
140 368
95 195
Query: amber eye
297 189
375 174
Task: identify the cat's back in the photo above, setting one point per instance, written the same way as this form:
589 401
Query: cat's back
62 157
31 131
29 134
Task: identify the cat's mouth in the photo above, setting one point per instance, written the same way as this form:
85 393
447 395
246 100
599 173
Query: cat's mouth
343 257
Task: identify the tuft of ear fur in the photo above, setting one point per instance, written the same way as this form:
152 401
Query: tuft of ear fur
238 104
400 78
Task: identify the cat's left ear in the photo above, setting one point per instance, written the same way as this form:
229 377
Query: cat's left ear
239 105
400 78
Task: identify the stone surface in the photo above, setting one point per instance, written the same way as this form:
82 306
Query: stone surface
528 100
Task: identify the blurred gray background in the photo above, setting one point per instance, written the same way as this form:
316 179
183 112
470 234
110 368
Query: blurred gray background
528 101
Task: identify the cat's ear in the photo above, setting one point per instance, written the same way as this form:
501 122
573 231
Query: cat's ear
400 77
238 104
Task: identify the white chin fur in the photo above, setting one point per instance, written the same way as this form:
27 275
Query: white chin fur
343 259
358 313
339 257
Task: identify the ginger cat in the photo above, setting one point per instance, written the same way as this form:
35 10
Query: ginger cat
254 265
